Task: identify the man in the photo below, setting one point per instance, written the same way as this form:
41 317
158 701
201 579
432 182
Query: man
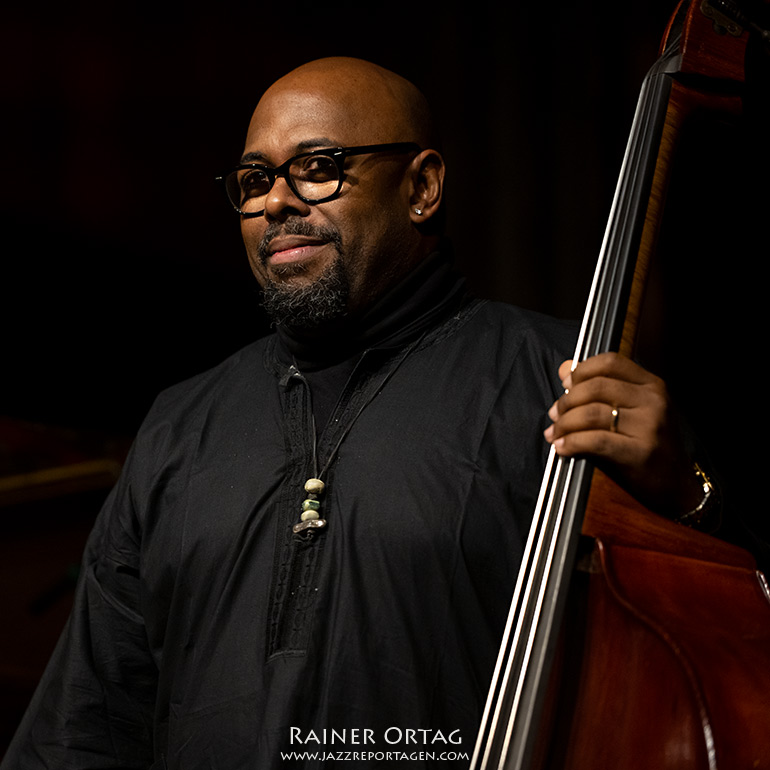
313 546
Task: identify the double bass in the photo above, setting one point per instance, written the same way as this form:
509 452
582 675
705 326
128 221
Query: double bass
634 641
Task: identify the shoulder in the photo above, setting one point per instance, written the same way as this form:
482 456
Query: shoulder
521 323
222 389
509 330
503 346
245 366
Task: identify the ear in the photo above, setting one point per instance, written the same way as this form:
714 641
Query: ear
427 185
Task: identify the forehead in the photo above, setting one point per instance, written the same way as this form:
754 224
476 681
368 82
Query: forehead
296 116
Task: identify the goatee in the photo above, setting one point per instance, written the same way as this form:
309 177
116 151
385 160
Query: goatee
310 305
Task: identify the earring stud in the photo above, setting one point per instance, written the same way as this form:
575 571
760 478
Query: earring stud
418 212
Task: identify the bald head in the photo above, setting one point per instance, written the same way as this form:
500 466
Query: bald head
378 103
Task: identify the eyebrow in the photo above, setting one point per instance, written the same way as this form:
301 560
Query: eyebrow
318 143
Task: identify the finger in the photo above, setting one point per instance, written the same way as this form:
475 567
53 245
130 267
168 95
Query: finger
599 445
565 373
603 391
593 417
614 366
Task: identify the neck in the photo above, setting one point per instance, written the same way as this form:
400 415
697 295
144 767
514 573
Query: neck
395 318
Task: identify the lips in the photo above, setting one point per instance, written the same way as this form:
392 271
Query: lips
295 241
292 249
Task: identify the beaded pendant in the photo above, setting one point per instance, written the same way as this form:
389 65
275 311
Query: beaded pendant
310 519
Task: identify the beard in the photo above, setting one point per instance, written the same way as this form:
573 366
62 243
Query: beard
305 306
310 305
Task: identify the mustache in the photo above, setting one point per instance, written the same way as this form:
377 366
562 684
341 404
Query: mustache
296 226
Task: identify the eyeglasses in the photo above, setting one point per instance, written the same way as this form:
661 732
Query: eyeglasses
314 177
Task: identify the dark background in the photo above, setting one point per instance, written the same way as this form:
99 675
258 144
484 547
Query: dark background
123 270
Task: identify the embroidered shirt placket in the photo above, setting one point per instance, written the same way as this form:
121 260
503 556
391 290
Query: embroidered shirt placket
299 556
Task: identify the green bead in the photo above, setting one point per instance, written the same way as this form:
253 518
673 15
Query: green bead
314 486
308 515
310 505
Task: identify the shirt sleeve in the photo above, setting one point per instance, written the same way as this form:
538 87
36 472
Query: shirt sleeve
94 705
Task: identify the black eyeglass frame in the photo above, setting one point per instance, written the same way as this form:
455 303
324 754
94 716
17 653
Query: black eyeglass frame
338 154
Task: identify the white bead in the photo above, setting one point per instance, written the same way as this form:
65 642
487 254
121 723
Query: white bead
314 486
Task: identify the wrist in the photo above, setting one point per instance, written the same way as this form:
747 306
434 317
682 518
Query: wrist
706 514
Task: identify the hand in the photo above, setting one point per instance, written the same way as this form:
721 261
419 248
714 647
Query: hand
620 416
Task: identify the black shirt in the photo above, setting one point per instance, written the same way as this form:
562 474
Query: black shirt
207 635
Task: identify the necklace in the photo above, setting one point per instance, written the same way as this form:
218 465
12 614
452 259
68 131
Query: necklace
310 516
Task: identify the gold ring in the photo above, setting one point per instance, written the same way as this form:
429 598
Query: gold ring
615 418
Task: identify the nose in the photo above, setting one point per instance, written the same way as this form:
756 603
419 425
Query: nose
282 202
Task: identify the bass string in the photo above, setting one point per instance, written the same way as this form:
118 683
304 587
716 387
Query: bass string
511 694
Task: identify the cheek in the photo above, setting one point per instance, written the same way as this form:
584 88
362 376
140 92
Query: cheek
252 234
